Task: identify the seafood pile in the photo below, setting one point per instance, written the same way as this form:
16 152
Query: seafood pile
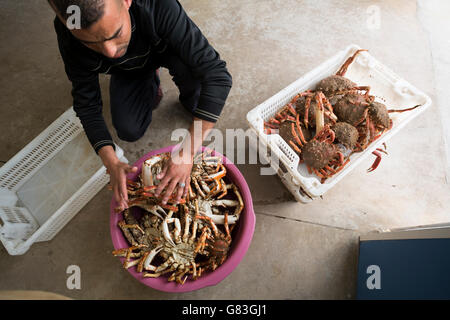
184 239
326 125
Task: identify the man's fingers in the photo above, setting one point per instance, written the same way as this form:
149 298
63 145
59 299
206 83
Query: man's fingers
173 183
180 191
117 196
186 188
130 169
162 185
162 174
123 188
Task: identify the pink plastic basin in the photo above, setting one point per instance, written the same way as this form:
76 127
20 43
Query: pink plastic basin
243 234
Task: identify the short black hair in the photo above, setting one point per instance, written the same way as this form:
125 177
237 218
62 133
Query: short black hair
91 10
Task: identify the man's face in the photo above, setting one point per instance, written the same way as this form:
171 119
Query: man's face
111 34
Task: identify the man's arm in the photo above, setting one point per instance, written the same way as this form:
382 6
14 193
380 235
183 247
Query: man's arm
86 93
175 28
87 104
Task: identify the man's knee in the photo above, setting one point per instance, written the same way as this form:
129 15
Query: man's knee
130 131
130 135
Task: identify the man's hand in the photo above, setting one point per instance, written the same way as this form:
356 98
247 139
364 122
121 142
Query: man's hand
176 172
178 169
117 171
118 180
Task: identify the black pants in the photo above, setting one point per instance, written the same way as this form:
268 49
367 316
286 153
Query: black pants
133 94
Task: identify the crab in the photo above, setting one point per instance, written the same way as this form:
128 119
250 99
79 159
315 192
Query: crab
295 134
207 179
346 134
178 250
153 237
143 237
337 85
308 102
210 208
287 124
217 244
320 155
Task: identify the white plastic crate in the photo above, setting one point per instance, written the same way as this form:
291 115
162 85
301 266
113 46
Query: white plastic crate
47 183
386 86
16 223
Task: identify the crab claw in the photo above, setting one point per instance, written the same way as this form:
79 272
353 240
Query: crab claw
166 231
148 260
376 162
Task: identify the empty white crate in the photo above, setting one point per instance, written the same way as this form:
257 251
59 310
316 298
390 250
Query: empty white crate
46 184
386 86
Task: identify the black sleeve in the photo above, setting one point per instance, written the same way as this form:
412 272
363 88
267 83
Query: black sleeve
180 32
86 93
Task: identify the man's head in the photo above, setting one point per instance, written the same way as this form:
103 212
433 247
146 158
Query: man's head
105 24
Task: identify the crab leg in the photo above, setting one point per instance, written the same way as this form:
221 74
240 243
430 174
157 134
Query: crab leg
127 233
205 187
179 276
270 125
219 175
155 212
166 233
194 231
227 229
202 239
404 110
293 145
354 89
225 203
219 218
299 128
344 67
140 266
291 109
325 100
196 185
165 265
307 106
129 264
376 162
294 134
318 173
371 130
241 202
194 270
191 193
342 166
177 229
213 225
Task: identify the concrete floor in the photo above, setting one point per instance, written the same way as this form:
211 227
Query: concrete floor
298 251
